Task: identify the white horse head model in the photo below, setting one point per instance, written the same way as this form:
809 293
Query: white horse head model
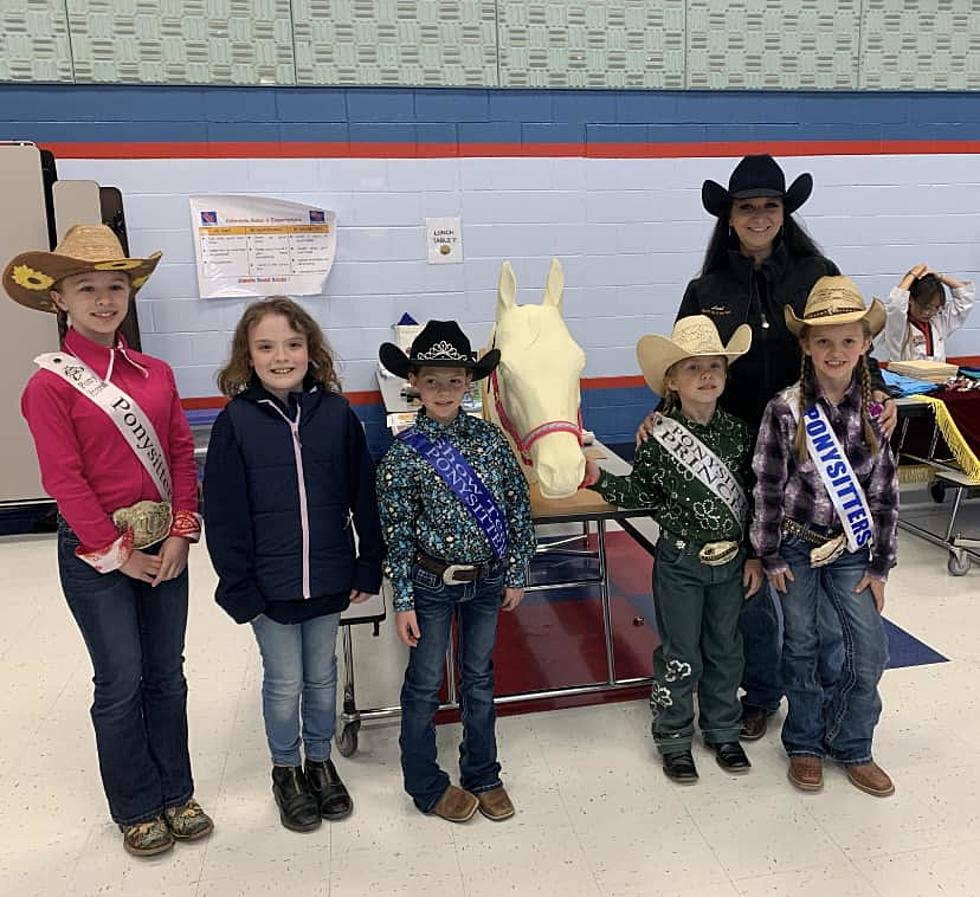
534 393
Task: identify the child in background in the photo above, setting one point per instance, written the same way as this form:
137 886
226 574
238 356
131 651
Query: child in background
693 471
826 510
457 521
287 470
117 455
920 318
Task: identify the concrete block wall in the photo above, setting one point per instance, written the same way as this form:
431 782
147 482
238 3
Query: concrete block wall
607 181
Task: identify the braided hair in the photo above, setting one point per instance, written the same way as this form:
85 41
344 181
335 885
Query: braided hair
808 396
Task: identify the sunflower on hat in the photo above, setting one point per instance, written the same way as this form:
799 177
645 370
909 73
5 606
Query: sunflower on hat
29 277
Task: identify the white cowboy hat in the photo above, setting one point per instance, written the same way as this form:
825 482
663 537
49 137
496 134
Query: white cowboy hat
836 300
692 336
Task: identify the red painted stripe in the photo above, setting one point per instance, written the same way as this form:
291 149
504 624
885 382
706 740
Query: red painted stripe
204 403
364 397
613 382
295 150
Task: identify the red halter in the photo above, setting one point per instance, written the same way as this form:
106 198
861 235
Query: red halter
548 427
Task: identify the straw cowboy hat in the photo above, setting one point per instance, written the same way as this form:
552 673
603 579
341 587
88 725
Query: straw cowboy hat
836 300
29 277
692 336
756 176
439 344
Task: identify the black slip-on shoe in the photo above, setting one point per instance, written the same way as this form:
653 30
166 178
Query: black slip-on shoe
680 767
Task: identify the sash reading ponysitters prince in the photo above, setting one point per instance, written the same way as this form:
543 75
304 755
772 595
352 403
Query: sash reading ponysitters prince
694 456
457 474
121 409
836 474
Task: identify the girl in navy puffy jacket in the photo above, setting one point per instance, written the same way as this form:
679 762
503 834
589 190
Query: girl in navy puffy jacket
287 473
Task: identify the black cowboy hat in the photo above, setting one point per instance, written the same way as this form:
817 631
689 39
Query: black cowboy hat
756 176
440 344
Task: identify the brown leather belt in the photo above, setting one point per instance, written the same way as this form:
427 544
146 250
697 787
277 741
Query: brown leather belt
457 573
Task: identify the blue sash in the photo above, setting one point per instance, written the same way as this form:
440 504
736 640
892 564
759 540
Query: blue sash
457 474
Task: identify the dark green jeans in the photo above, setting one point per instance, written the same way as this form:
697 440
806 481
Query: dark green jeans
700 647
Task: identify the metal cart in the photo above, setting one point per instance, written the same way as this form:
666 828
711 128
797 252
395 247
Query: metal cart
588 514
947 478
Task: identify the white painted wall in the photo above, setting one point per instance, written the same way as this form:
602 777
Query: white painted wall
630 234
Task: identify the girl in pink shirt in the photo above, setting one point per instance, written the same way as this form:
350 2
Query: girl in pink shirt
117 455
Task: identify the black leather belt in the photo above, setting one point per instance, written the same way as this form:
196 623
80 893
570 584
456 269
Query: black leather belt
808 533
457 573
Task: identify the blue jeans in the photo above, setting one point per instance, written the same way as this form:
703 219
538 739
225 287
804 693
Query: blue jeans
476 606
840 721
761 626
135 639
299 660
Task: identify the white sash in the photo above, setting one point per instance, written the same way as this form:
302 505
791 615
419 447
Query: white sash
121 409
836 473
693 455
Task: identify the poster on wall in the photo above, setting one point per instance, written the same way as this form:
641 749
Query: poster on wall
444 240
252 246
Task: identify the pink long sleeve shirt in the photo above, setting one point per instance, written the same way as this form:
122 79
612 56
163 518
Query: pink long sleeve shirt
87 466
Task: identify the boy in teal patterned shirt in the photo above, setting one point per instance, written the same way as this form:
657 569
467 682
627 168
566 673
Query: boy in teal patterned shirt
456 517
693 471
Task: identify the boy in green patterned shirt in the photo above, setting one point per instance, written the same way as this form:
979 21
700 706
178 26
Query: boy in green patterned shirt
694 471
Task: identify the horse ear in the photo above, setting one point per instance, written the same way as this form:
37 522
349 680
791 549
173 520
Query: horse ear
506 290
554 285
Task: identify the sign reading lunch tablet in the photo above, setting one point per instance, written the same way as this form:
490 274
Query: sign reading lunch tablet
252 246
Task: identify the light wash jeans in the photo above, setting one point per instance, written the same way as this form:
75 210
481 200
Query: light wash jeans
761 626
299 668
841 722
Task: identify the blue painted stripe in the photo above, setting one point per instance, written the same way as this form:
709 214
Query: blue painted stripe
108 113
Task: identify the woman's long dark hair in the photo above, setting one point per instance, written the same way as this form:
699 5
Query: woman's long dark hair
798 242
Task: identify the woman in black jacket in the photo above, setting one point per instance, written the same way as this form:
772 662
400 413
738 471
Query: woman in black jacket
287 474
759 260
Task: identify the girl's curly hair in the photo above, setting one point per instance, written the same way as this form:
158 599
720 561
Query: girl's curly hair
237 373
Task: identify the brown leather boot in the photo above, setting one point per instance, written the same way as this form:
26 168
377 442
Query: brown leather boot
806 773
456 805
495 804
870 778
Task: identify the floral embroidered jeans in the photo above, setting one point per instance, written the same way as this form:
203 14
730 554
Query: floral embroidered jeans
700 647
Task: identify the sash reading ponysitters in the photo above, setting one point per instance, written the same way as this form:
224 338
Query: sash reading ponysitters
693 455
121 409
457 474
837 475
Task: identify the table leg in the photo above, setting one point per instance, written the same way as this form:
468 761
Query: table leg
607 625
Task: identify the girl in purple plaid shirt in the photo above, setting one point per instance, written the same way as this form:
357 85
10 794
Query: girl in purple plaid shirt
826 510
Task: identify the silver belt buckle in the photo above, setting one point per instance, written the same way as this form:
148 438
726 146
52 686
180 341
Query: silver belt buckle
449 574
